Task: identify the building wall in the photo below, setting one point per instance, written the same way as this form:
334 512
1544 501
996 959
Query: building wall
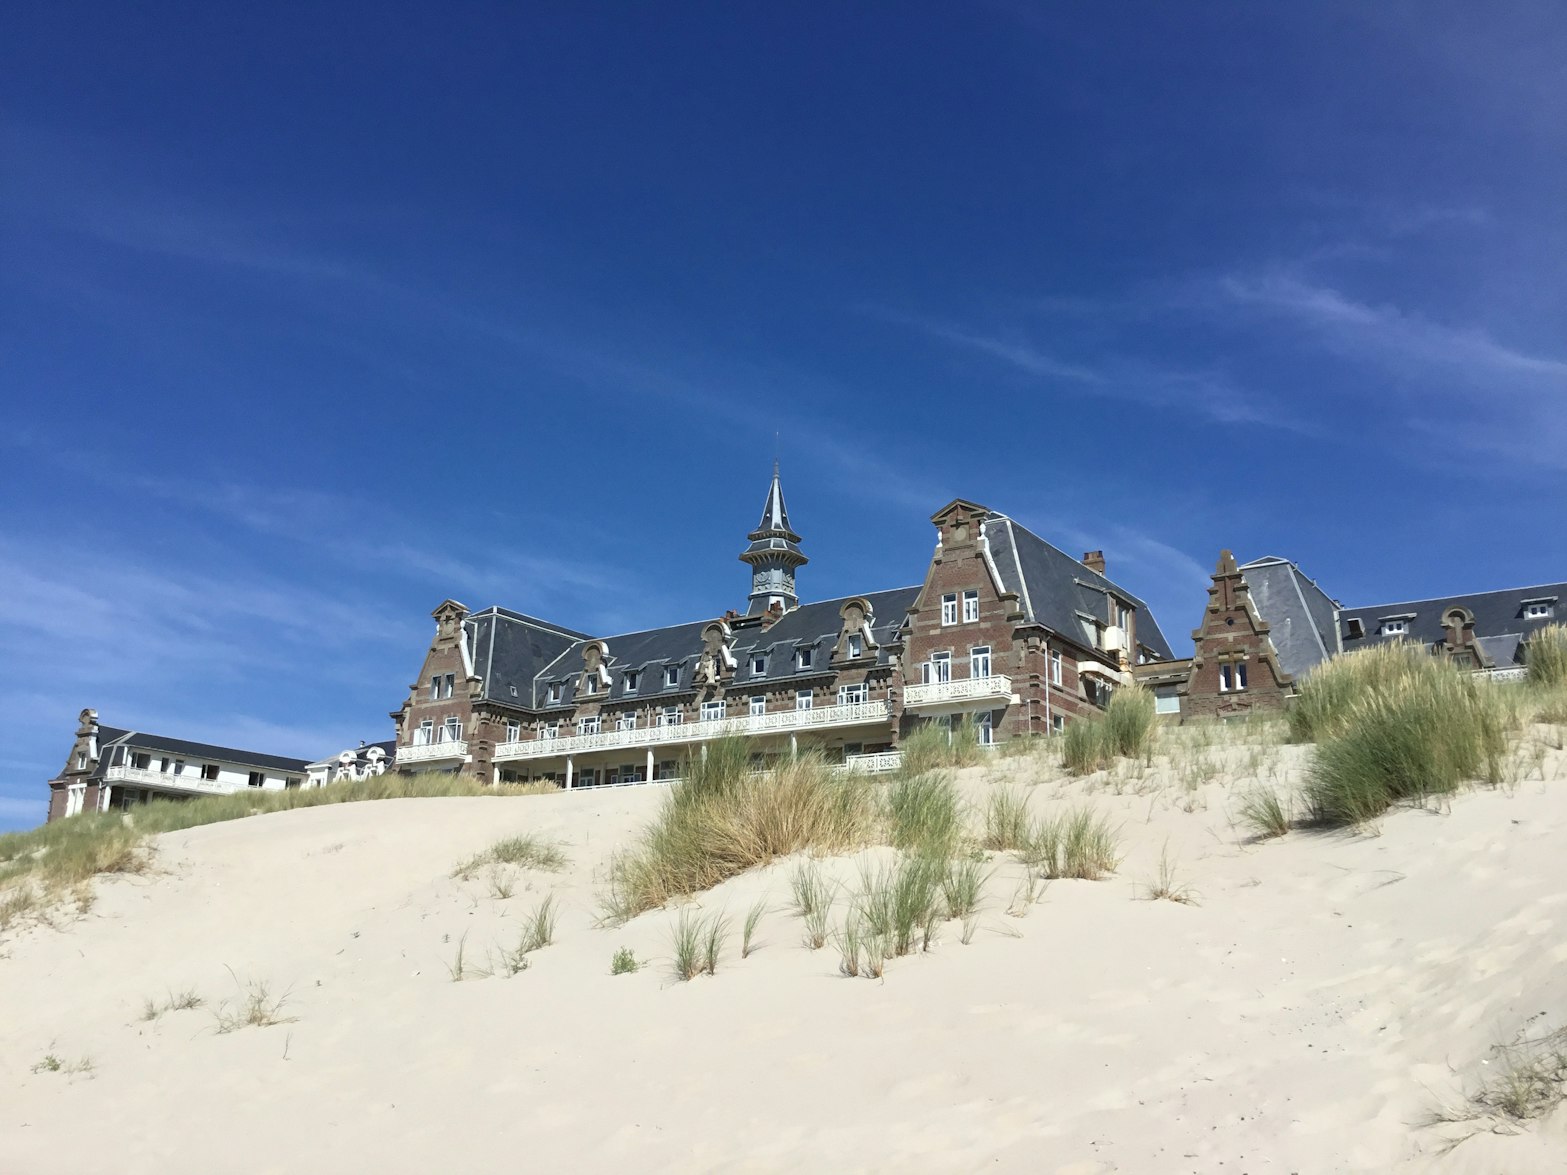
1232 633
446 657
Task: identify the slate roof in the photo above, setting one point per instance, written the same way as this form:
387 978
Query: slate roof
1302 618
1055 588
814 626
109 736
511 649
1499 621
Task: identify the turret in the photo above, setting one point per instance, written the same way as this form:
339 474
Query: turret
774 554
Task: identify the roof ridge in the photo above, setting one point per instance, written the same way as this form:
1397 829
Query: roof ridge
1455 596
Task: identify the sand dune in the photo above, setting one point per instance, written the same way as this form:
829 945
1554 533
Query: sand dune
1325 998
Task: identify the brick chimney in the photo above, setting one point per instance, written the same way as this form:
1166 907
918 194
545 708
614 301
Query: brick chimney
1094 561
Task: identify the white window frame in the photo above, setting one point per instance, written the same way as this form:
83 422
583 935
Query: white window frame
803 659
514 732
759 666
424 733
856 646
551 731
937 670
970 606
1538 610
985 728
671 676
802 699
555 692
671 716
715 711
589 725
1232 677
626 720
979 658
1055 666
949 609
453 730
758 705
448 681
854 695
1395 628
631 681
435 687
256 779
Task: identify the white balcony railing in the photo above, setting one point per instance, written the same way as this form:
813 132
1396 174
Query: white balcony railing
166 780
969 689
435 752
1506 673
783 722
874 763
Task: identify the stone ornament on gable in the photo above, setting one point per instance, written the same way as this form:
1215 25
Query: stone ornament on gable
857 619
717 657
595 673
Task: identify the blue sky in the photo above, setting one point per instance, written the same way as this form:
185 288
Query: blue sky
311 317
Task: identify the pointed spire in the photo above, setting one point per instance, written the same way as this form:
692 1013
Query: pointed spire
775 515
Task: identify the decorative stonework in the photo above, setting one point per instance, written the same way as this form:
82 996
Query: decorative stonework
717 661
1235 669
858 619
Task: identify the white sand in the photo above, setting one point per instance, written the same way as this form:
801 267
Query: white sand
1325 997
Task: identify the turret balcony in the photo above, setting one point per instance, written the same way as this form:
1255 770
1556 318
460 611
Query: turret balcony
782 722
969 693
442 751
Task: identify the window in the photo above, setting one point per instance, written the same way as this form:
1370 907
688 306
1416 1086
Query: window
985 728
1057 723
758 705
758 666
1055 666
854 695
856 646
555 692
1537 610
626 721
292 783
1232 676
1354 628
164 764
452 731
514 732
81 760
425 735
447 681
671 676
669 716
258 779
938 669
550 731
713 711
588 725
949 608
970 606
179 767
1166 700
1395 627
435 688
632 681
979 661
803 658
210 771
141 760
802 699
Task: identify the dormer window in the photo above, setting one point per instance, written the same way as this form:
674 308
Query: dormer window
759 666
856 646
555 692
632 680
1538 610
1395 628
671 676
1354 628
803 658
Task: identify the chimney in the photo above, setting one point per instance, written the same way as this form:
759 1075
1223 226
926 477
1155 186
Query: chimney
1094 561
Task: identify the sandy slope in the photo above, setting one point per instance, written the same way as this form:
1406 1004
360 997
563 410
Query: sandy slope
1326 995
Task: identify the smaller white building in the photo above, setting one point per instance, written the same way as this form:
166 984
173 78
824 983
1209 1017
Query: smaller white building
362 762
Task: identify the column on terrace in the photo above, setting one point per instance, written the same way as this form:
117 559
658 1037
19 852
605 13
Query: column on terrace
568 772
650 764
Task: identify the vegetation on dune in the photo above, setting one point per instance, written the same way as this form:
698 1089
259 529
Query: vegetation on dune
41 867
1546 656
724 818
1126 729
525 851
1079 843
1394 723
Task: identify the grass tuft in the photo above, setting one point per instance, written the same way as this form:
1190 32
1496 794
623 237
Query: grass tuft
753 919
698 945
1165 887
1125 729
723 819
1546 656
924 813
257 1008
1076 844
623 962
1265 812
526 852
1006 820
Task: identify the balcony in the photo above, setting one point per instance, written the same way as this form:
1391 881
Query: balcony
970 693
445 750
167 781
875 763
783 722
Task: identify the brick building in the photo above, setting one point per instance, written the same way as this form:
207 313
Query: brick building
1004 629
